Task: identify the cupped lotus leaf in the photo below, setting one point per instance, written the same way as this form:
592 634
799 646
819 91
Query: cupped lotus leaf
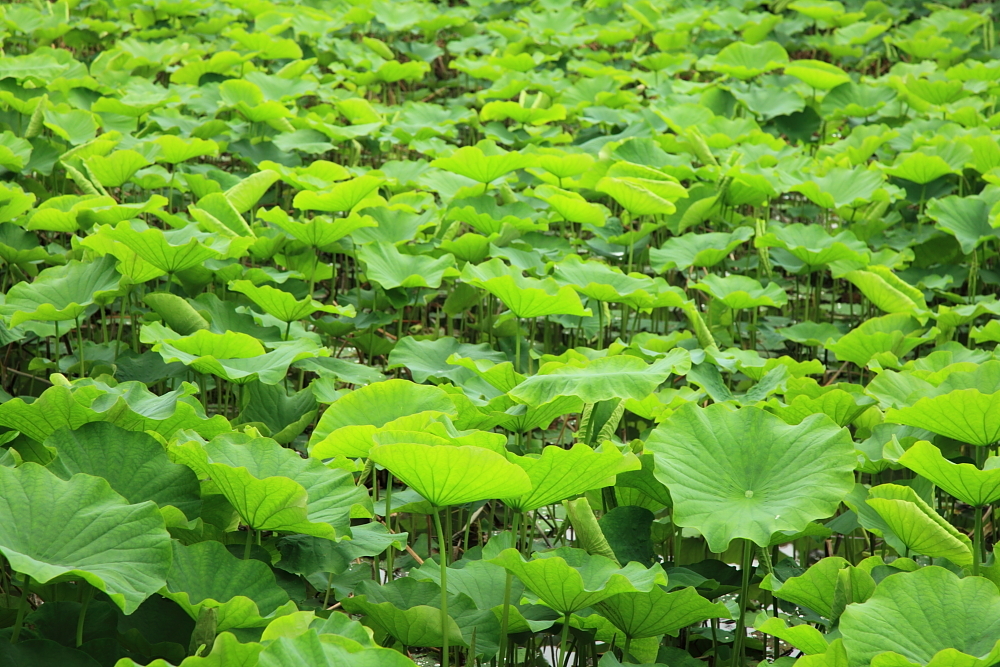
388 267
635 197
817 74
19 246
738 292
935 618
602 379
14 201
244 593
656 612
432 358
728 471
408 610
133 463
683 252
272 487
62 213
129 405
483 214
965 218
967 415
745 61
526 297
215 213
175 250
319 231
114 170
566 165
452 475
963 480
572 206
63 292
484 162
507 110
328 650
599 281
174 149
920 168
816 588
60 530
813 246
341 197
895 334
857 100
235 356
841 406
845 187
916 525
282 304
245 194
176 312
14 151
804 637
568 579
346 426
888 291
560 473
285 416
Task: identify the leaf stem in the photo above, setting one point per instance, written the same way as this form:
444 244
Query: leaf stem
444 588
739 640
563 639
88 595
22 608
249 543
977 545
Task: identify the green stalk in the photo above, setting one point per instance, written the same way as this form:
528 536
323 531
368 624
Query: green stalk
22 608
249 543
977 546
628 646
88 595
505 618
517 347
329 585
444 590
563 639
741 627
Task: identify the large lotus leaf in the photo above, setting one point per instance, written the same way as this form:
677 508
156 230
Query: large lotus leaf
320 231
927 616
967 415
328 650
804 637
235 356
963 480
115 169
656 612
634 196
917 526
602 379
19 246
572 206
965 218
483 214
407 609
560 473
430 358
568 579
845 187
745 61
682 252
745 473
129 405
341 197
816 588
133 463
841 406
526 297
58 530
483 163
604 283
347 426
244 593
175 250
895 334
888 291
813 246
452 475
63 292
920 168
272 487
286 416
388 267
283 305
817 74
739 292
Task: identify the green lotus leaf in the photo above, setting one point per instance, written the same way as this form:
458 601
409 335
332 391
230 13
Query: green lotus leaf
817 587
917 526
895 334
602 379
739 292
273 488
841 406
244 593
572 206
77 126
524 115
285 416
888 291
116 169
727 471
19 246
62 214
174 149
63 292
560 473
526 297
388 267
963 480
683 252
745 61
319 231
14 202
60 530
14 151
408 610
568 579
813 246
967 415
129 405
605 283
965 218
328 650
347 426
226 651
656 612
483 214
133 463
45 653
484 162
920 168
215 213
818 74
284 306
855 100
804 637
175 250
430 358
341 197
635 197
936 618
235 356
444 475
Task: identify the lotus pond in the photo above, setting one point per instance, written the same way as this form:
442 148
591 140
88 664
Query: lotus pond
395 332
